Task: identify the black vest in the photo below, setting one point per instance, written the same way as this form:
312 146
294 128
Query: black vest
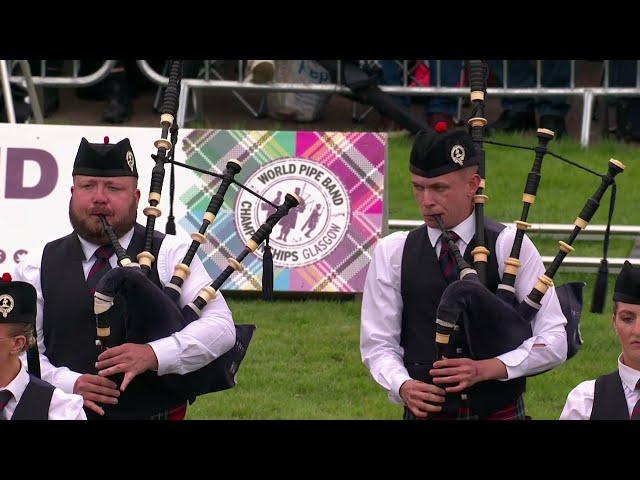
35 401
609 402
69 324
422 285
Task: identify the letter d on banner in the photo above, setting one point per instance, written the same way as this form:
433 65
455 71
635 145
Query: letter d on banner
16 159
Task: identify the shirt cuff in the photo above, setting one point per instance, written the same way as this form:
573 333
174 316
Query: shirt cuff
512 360
394 392
166 349
66 380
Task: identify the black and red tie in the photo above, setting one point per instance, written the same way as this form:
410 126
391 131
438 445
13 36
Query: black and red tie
447 261
635 413
100 267
5 396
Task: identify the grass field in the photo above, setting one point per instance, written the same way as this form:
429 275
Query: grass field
304 361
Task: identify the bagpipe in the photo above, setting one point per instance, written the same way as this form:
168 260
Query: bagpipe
471 320
154 312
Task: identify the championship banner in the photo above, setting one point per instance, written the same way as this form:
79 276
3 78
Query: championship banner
323 245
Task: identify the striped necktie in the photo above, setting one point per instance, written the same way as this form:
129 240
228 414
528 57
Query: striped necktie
635 413
447 261
5 396
100 267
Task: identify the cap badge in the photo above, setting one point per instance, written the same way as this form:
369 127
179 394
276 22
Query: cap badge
6 304
457 154
130 160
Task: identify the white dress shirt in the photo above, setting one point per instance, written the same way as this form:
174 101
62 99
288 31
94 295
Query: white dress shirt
579 402
63 406
196 345
381 315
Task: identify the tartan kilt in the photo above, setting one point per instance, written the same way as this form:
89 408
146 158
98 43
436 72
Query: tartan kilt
510 412
175 413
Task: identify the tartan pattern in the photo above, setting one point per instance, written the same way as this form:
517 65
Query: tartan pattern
447 261
5 396
176 413
99 267
635 413
511 412
357 159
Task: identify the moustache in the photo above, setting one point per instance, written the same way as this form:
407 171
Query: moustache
99 212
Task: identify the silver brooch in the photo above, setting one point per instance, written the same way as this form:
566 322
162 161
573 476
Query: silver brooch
457 154
6 304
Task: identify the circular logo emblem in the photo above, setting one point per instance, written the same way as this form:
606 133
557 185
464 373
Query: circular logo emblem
3 256
457 154
17 256
310 231
131 160
6 304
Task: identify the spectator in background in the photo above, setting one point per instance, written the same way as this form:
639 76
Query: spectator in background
519 113
436 109
119 88
624 74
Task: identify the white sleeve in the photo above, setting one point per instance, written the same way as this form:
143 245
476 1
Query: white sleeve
381 317
28 270
66 406
204 339
579 402
547 347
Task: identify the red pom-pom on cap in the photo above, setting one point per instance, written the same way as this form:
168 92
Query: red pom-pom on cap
441 127
106 140
6 277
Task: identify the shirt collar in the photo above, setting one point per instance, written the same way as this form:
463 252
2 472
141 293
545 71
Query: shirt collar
18 384
628 375
89 248
465 230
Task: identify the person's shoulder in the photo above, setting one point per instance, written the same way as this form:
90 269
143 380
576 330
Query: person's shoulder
179 240
583 389
29 265
395 239
504 230
66 406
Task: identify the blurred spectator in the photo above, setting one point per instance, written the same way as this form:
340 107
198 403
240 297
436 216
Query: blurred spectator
623 74
50 95
124 82
518 113
260 71
436 109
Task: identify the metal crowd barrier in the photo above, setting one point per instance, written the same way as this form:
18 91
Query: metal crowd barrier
588 94
30 82
75 80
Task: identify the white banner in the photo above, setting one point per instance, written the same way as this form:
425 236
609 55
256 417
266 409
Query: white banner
324 245
35 181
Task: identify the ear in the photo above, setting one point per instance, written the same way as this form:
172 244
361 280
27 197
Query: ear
474 183
137 196
18 344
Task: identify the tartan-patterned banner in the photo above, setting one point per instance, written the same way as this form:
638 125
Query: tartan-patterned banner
324 244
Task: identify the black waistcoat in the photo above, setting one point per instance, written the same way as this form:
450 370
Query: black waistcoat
422 285
35 401
609 402
70 328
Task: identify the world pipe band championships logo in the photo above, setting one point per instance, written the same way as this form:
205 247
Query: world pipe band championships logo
312 230
18 255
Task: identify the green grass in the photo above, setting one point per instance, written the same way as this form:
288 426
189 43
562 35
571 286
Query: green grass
304 361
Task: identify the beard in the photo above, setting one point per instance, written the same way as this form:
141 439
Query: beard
90 227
